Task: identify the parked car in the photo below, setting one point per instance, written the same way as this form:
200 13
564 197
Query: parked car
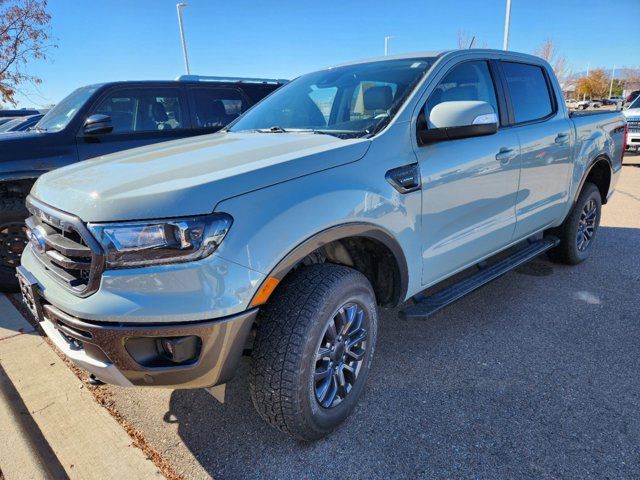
584 104
572 104
20 124
632 114
99 119
348 190
631 97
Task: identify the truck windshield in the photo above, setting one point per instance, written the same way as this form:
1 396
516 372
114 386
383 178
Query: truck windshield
59 116
348 102
635 103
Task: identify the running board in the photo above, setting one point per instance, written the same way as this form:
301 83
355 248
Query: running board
426 306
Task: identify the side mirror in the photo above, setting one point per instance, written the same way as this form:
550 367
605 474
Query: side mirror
459 119
97 124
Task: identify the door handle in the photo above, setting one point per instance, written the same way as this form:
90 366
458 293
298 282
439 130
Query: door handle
505 155
562 138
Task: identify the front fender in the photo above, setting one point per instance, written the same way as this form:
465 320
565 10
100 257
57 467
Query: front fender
276 226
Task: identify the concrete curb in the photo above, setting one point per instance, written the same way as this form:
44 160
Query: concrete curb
50 425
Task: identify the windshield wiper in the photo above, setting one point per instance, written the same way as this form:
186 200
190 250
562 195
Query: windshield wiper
274 129
38 129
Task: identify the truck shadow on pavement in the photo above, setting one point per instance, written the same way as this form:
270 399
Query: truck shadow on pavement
532 375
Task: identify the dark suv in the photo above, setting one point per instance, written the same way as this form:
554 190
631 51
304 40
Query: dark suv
105 118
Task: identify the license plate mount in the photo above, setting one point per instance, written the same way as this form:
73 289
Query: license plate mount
30 292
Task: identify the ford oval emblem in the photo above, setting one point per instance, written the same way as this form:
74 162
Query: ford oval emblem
38 241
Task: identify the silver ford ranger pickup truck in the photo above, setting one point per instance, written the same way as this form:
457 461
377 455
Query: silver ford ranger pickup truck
350 189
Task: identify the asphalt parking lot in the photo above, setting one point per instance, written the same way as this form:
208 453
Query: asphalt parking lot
532 376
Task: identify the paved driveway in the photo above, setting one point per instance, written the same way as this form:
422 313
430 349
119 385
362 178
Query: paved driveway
533 376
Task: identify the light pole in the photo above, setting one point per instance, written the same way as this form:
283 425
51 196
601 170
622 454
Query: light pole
386 44
613 73
184 43
584 95
507 22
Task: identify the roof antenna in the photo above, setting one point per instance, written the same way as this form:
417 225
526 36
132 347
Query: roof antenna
472 42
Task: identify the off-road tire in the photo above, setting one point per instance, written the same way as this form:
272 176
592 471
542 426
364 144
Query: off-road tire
567 251
12 212
290 330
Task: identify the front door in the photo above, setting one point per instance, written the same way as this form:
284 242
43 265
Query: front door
140 116
469 185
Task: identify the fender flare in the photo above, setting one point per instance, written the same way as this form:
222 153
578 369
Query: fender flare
587 171
355 229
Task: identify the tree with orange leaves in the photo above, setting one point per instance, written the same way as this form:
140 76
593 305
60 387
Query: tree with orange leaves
595 85
24 36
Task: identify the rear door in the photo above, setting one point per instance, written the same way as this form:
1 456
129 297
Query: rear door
546 136
214 107
470 184
140 116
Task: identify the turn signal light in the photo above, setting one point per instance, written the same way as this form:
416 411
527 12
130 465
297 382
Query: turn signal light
265 291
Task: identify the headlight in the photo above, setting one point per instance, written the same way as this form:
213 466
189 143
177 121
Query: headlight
153 242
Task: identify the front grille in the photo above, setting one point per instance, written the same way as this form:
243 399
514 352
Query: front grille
65 248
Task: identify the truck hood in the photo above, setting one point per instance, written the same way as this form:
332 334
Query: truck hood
189 176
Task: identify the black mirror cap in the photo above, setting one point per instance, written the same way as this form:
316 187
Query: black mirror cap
432 135
97 124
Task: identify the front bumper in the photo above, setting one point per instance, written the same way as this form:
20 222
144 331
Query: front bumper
128 355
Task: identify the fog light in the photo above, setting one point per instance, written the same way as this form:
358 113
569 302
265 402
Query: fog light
180 349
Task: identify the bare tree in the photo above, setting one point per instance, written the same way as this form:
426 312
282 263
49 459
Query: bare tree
550 53
24 36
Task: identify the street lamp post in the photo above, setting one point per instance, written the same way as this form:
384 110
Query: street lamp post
507 23
386 44
613 73
184 42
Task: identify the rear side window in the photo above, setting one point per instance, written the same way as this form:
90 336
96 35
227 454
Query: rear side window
216 107
530 96
142 110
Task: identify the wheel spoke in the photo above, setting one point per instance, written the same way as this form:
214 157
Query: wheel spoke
356 338
357 323
332 332
323 352
322 374
332 391
350 314
321 393
357 355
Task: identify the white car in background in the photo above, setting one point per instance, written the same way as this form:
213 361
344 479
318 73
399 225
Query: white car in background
632 115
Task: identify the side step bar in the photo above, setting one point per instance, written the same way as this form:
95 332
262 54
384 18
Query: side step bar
426 306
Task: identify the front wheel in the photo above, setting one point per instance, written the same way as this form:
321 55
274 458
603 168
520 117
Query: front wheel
313 350
578 230
13 239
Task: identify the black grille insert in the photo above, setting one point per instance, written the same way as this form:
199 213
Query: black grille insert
66 249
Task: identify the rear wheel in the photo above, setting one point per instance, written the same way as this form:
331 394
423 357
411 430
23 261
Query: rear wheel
313 350
578 231
13 239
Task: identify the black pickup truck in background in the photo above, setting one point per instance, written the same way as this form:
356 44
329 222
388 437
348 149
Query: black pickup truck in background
105 118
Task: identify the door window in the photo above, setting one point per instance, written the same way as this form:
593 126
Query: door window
467 81
142 110
216 107
530 96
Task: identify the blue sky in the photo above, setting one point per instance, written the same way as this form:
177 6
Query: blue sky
139 39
